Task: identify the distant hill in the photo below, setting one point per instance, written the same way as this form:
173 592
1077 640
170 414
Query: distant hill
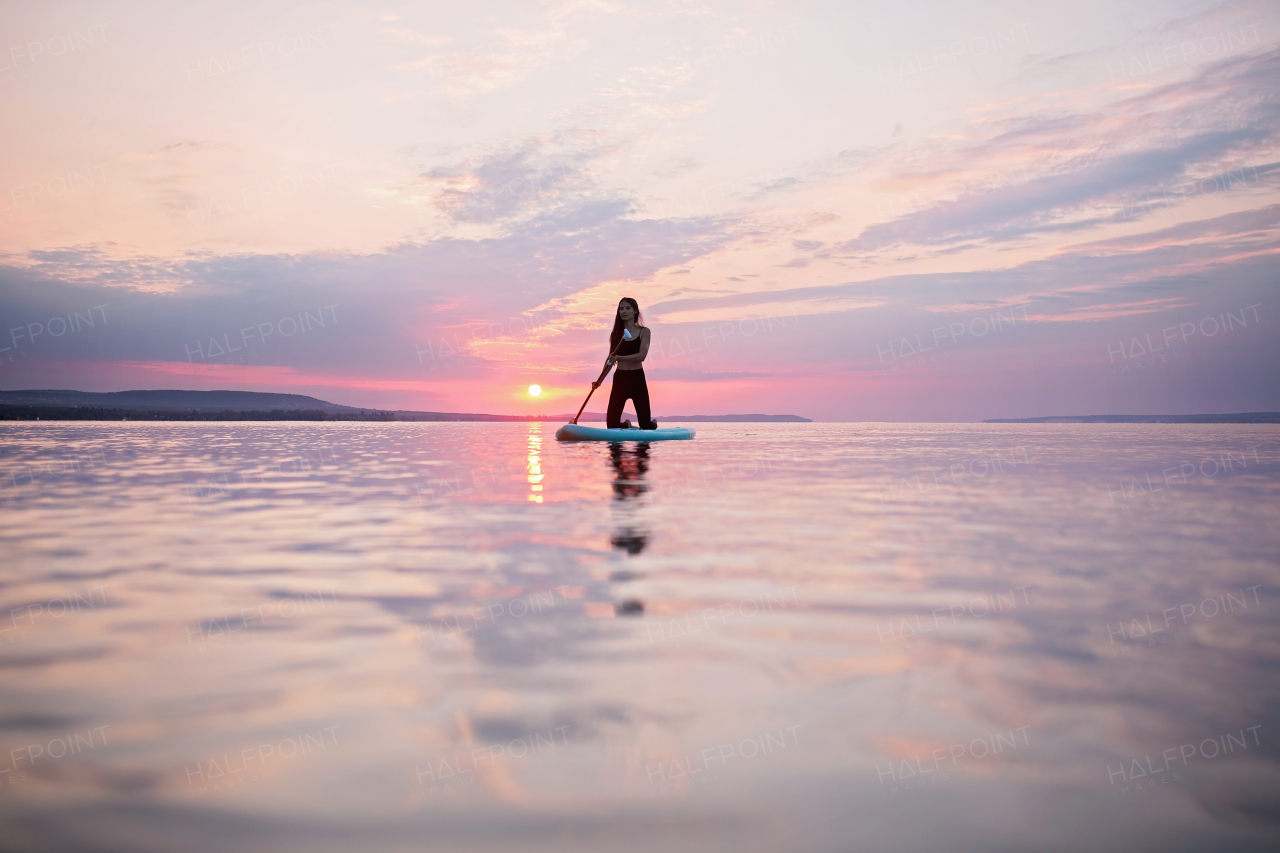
256 405
162 401
1241 418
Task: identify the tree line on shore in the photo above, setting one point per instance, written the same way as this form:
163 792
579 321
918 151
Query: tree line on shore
99 413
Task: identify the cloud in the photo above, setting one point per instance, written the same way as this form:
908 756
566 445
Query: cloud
1164 142
508 58
534 177
683 374
315 312
1114 277
1247 224
409 36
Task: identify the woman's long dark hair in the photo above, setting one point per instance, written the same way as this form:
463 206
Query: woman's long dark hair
615 337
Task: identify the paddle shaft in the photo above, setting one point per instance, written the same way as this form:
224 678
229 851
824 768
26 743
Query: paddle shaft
597 382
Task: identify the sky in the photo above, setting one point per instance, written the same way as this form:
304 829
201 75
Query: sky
848 211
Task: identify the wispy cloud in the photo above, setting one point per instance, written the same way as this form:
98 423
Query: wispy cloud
681 374
1162 139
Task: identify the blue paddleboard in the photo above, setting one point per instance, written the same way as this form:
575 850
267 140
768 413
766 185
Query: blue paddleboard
578 432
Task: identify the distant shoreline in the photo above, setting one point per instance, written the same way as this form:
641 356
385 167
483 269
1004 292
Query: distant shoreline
1238 418
97 413
100 413
173 405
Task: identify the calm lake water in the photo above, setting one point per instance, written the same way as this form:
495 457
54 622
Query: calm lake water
816 637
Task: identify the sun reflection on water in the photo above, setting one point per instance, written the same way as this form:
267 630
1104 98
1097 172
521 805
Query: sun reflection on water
534 462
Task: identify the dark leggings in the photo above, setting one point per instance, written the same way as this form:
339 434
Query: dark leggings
629 385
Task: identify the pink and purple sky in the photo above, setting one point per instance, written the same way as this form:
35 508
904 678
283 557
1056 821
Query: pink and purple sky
921 211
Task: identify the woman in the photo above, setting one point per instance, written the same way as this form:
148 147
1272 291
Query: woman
628 380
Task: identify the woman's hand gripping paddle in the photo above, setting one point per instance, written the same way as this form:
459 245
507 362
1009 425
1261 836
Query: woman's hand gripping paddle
626 336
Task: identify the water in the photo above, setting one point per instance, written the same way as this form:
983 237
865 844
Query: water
392 637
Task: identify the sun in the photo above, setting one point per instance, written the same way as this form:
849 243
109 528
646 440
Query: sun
535 390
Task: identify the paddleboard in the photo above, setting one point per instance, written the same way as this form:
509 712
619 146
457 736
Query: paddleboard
578 432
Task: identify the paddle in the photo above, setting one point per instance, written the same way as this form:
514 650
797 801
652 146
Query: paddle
626 336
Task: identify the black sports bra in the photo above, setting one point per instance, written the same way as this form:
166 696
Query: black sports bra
630 347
